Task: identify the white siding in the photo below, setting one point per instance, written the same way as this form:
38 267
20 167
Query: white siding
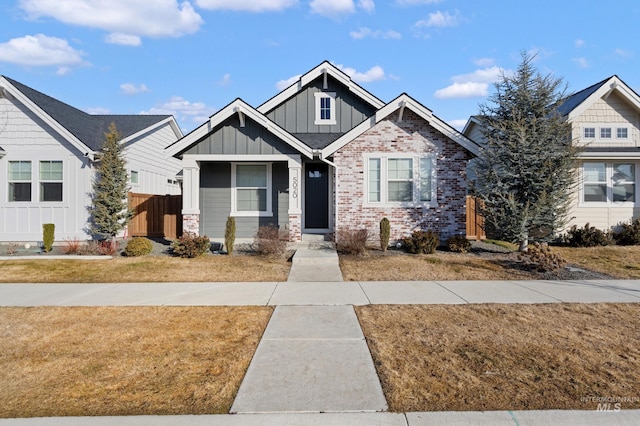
146 155
25 137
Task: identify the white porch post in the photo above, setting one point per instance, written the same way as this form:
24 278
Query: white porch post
191 196
295 192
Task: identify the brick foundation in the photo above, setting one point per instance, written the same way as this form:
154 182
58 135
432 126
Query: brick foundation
295 227
191 224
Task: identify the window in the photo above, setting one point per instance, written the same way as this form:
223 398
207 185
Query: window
399 180
623 180
605 182
589 132
622 133
251 188
51 181
605 133
134 176
19 180
325 108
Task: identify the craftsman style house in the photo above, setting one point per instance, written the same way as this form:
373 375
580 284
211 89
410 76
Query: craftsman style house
48 150
322 156
605 120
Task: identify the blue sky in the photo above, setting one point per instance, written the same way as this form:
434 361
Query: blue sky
190 58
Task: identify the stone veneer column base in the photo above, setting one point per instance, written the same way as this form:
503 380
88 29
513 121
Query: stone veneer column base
295 227
191 224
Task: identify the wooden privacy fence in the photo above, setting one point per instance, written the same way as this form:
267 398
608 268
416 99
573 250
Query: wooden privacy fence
155 215
475 222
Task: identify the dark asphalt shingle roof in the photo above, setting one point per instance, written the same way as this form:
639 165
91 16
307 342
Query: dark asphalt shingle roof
572 102
317 140
88 128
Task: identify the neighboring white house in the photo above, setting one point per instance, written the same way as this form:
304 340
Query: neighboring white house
47 156
605 120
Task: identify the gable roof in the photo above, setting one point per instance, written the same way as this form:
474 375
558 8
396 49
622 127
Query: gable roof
83 130
401 102
577 103
238 106
325 68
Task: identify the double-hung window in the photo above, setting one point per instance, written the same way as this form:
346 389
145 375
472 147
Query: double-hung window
251 189
609 182
51 177
325 104
399 180
19 180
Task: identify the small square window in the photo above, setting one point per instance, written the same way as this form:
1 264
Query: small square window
589 132
605 133
325 103
622 133
134 176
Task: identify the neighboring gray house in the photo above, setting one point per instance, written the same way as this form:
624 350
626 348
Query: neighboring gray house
605 120
324 155
47 156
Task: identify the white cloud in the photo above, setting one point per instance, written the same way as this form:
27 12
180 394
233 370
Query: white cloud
124 39
623 53
579 43
132 89
334 9
182 110
457 124
367 5
440 20
416 2
41 51
247 6
475 84
225 81
364 32
375 73
484 62
283 84
581 62
124 19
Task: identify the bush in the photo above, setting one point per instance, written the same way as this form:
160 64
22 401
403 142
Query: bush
422 242
71 246
270 241
138 246
107 247
48 232
589 236
629 235
540 258
352 241
190 245
385 233
230 234
458 244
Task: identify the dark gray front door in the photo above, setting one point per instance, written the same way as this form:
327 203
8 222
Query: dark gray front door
316 201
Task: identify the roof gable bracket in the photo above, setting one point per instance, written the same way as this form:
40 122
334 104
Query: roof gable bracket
613 87
325 85
401 111
240 115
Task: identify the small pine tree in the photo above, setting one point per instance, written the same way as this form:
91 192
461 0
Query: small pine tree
110 210
230 234
385 233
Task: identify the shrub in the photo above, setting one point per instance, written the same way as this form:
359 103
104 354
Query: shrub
90 249
71 246
230 234
107 247
352 241
385 233
540 258
458 244
629 235
270 241
589 236
48 235
138 246
422 242
190 245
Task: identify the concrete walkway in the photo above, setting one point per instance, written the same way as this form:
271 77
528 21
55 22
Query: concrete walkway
315 260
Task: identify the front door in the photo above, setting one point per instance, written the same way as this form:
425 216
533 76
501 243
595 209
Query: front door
316 201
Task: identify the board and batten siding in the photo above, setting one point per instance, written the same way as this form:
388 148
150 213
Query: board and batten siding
229 138
297 115
145 154
215 201
24 136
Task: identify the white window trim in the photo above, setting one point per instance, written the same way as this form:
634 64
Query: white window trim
384 157
234 198
609 182
332 104
39 189
137 183
598 132
31 181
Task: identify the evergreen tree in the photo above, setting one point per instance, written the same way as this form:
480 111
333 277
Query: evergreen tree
526 167
110 211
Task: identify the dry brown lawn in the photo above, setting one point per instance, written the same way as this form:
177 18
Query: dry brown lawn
504 357
146 269
58 361
617 261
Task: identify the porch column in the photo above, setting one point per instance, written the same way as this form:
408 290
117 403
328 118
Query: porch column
295 203
191 196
